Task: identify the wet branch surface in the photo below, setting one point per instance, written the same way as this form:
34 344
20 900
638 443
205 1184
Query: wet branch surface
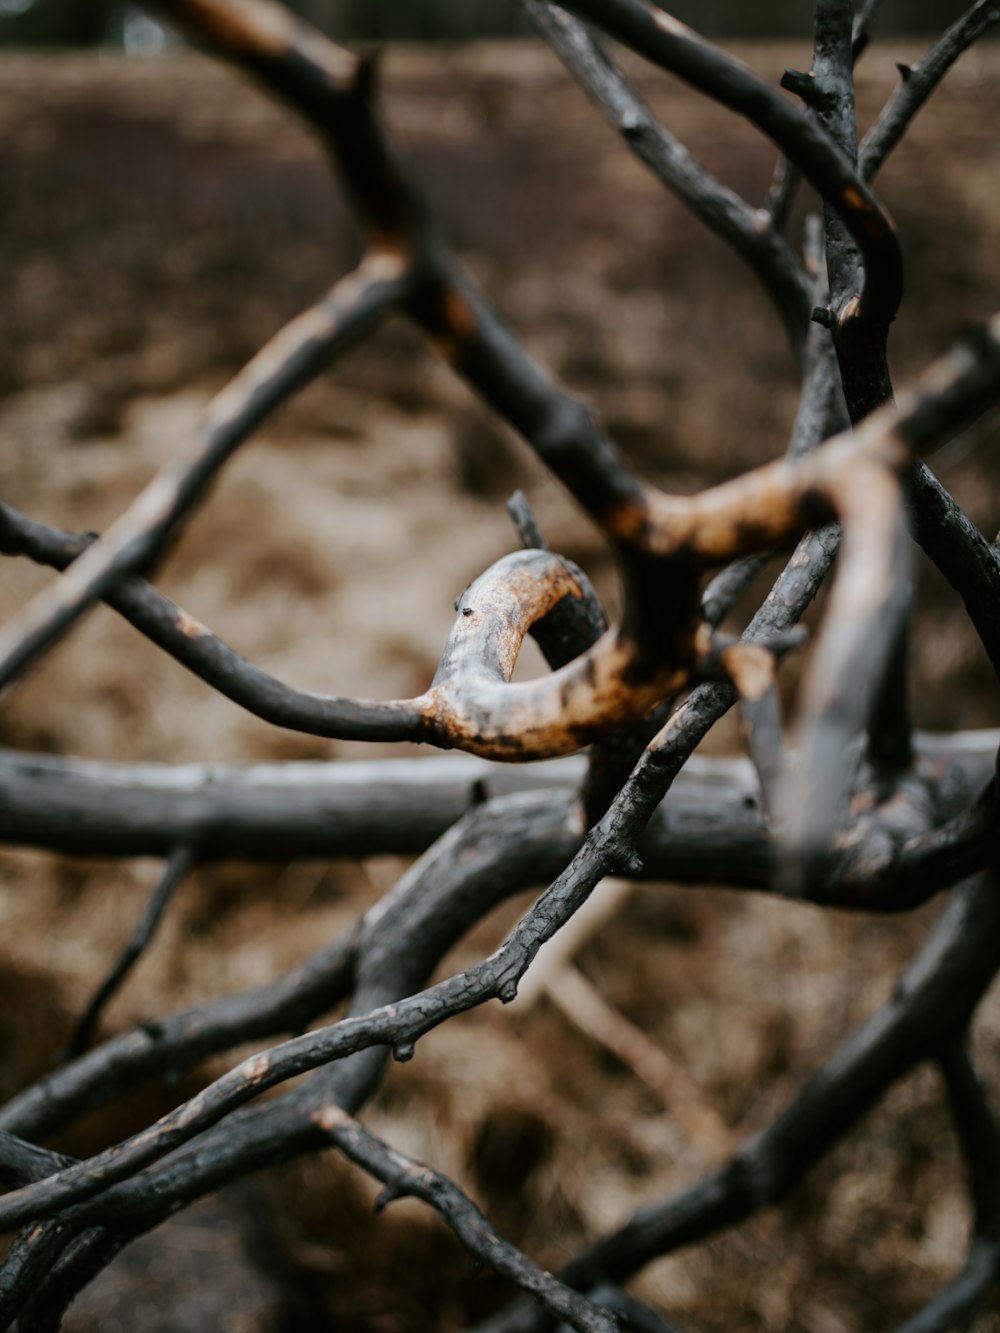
878 828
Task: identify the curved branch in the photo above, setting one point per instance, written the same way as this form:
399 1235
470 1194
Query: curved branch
464 705
658 647
472 702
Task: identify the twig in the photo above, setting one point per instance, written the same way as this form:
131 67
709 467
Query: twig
917 82
979 1136
929 1008
554 974
22 1163
727 587
967 559
299 352
861 34
761 728
181 1040
584 1006
523 518
655 34
177 868
404 1177
780 198
719 208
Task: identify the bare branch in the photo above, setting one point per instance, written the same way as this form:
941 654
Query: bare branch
911 828
524 521
22 1163
403 1177
969 562
181 861
299 352
919 81
832 101
978 1133
930 1007
83 1257
863 19
659 37
28 1264
721 209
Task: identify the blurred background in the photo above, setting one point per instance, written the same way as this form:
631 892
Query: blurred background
159 220
70 22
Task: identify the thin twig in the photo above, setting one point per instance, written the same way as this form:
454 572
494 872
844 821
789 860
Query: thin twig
523 518
403 1177
863 20
180 862
295 356
929 1008
655 34
918 81
979 1135
719 208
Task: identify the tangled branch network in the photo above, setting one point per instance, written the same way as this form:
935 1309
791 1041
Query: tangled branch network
863 814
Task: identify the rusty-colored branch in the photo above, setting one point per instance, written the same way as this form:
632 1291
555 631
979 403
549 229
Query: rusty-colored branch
607 685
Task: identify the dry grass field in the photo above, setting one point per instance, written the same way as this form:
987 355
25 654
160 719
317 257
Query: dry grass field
158 221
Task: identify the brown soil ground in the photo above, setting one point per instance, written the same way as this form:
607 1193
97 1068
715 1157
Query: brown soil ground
158 221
